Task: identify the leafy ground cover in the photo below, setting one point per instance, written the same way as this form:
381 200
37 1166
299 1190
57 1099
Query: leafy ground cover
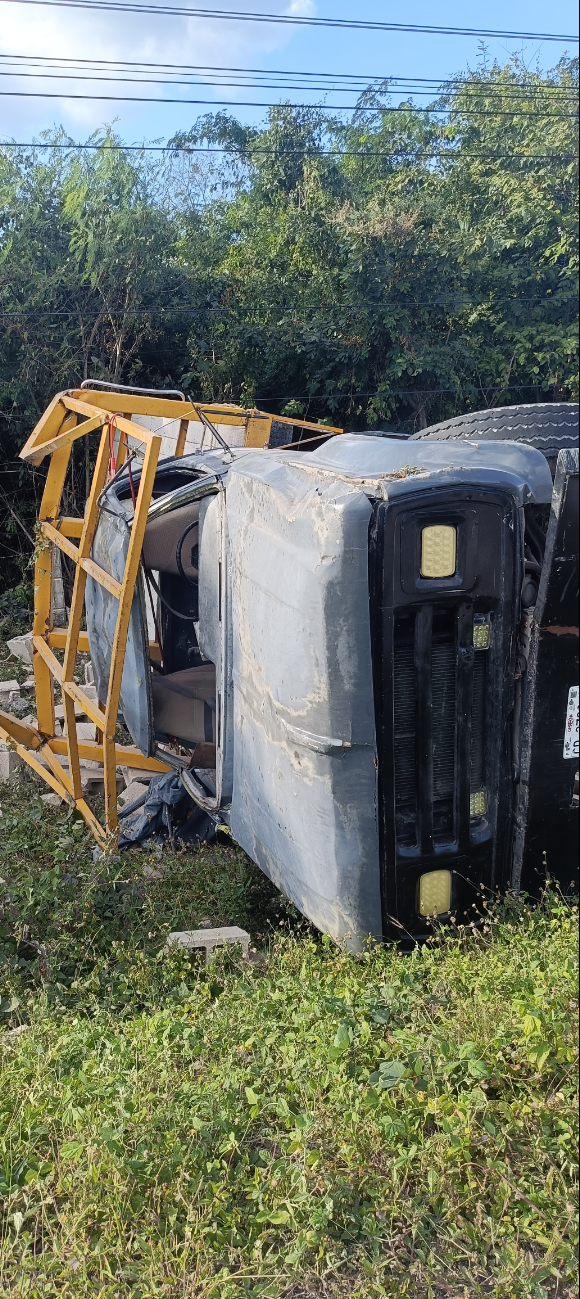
311 1125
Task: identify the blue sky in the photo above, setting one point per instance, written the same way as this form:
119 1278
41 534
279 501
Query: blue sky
46 31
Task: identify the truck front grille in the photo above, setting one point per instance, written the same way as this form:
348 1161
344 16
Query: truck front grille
439 725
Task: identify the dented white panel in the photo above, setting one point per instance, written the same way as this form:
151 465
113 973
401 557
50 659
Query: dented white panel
304 782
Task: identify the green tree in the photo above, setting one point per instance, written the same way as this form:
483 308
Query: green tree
388 270
405 266
89 286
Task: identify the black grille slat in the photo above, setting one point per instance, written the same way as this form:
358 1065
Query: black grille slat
465 660
439 725
404 723
477 770
443 657
424 714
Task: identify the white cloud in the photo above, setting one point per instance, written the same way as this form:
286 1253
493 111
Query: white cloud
301 9
136 37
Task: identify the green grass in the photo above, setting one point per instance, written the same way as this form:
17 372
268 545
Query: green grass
384 1125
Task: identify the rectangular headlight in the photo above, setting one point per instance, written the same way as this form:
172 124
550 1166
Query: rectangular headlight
438 550
435 893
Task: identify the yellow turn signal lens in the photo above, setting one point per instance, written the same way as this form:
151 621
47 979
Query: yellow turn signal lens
435 893
438 551
477 803
481 631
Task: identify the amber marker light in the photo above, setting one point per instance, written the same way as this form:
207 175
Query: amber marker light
481 635
477 803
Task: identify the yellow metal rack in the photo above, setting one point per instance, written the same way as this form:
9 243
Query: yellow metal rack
70 416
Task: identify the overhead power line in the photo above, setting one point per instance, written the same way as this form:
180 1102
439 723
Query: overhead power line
435 85
414 155
297 20
242 103
408 153
176 308
405 392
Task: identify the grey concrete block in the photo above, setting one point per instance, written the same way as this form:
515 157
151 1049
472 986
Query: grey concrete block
131 774
52 800
92 779
58 603
132 792
8 688
59 712
17 704
21 647
210 938
93 783
151 874
86 731
9 762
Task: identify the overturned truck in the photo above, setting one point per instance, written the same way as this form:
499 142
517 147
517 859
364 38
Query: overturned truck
359 651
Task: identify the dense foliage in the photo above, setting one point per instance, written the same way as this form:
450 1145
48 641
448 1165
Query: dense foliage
391 270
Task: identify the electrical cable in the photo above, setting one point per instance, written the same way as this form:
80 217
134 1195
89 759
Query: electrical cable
462 79
401 392
176 308
295 20
185 617
234 103
327 108
450 153
516 89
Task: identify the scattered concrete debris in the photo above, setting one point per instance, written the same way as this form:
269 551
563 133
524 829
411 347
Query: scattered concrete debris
89 674
132 792
92 777
9 688
79 712
29 684
52 800
21 647
151 873
9 762
94 784
131 774
210 939
59 610
86 732
17 705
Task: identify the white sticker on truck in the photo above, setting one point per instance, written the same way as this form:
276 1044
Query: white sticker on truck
571 728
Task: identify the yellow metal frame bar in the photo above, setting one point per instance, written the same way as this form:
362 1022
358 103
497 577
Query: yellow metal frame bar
70 416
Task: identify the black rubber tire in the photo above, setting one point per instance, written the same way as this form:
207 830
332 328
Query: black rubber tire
548 426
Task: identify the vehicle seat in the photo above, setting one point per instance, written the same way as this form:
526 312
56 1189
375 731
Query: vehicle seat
162 536
184 704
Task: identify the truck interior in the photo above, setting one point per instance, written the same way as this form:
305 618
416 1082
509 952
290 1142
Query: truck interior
146 590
